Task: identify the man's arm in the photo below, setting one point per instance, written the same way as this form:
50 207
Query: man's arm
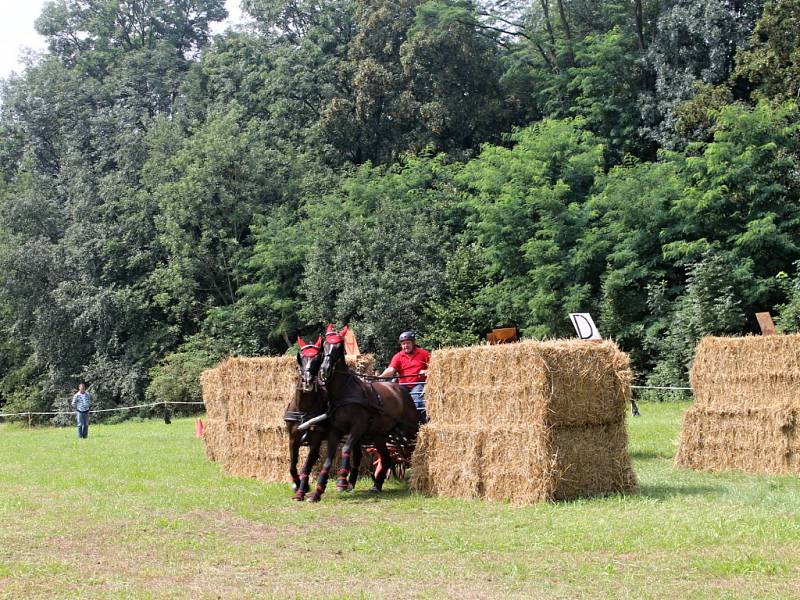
388 372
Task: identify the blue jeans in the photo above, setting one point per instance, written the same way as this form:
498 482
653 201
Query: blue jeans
418 395
83 423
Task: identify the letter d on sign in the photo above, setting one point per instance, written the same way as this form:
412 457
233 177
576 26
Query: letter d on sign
584 326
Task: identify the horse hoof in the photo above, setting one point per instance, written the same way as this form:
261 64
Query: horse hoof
314 498
298 497
375 490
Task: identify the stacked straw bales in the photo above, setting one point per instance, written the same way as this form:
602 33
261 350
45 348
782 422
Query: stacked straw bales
747 401
526 422
245 400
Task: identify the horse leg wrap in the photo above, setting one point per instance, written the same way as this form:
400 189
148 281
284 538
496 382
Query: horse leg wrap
317 495
341 482
302 487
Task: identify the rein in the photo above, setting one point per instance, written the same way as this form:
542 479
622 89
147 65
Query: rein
376 378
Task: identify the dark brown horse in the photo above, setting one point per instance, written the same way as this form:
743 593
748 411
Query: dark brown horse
361 413
309 402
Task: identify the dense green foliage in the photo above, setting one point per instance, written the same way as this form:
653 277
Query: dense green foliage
168 198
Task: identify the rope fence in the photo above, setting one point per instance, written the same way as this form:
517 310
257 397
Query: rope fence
30 414
658 387
98 410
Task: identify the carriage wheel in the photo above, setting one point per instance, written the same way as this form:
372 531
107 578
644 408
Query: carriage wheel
399 470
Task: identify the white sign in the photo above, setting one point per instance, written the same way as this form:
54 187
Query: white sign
584 326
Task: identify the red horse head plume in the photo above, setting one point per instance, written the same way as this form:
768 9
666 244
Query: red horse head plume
309 349
335 338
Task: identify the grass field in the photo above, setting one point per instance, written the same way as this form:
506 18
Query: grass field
137 511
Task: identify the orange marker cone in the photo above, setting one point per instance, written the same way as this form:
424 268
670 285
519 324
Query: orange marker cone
199 430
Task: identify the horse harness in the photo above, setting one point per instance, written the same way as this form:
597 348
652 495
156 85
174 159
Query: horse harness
358 391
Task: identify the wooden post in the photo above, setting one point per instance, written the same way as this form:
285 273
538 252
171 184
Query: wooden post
766 324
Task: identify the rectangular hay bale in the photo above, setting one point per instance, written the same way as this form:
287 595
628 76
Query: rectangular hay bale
257 390
731 373
522 465
447 461
560 383
754 440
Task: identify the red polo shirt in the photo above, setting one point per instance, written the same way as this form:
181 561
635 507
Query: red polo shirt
408 366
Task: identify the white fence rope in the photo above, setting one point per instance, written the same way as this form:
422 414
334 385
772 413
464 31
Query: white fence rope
121 408
99 410
658 387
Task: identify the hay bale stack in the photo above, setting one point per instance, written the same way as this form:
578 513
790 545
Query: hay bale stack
526 422
245 402
747 401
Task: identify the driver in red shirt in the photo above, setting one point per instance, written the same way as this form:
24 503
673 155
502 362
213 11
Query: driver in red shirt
410 366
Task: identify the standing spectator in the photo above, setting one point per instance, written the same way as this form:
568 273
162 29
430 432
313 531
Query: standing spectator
82 403
410 365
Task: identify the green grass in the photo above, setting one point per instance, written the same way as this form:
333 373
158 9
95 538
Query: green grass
137 511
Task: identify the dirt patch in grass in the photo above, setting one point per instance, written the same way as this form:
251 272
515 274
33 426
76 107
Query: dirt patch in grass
225 556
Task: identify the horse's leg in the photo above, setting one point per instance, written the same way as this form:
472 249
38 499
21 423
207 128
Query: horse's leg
294 455
351 441
342 482
314 443
383 469
357 455
322 480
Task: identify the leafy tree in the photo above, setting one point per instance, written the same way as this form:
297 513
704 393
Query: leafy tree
456 318
623 240
741 197
770 60
695 44
417 75
710 306
528 215
78 228
379 253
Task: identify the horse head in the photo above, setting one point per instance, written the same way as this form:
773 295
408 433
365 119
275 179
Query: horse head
333 352
309 359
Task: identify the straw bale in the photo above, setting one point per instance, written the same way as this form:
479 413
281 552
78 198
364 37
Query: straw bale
730 373
560 383
257 390
245 402
751 439
213 397
746 404
522 465
447 461
519 465
592 460
214 435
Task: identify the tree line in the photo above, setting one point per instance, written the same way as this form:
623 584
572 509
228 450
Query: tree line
169 197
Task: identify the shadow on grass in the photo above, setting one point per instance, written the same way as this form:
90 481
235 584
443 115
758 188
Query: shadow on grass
361 494
649 455
663 492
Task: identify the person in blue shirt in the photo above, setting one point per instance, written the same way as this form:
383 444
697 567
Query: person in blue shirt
82 403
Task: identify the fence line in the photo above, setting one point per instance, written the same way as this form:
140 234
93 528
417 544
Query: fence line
658 387
99 410
166 404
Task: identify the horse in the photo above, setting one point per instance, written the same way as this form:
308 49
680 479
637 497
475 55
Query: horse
361 412
309 402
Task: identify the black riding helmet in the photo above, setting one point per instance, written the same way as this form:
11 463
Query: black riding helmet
407 335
